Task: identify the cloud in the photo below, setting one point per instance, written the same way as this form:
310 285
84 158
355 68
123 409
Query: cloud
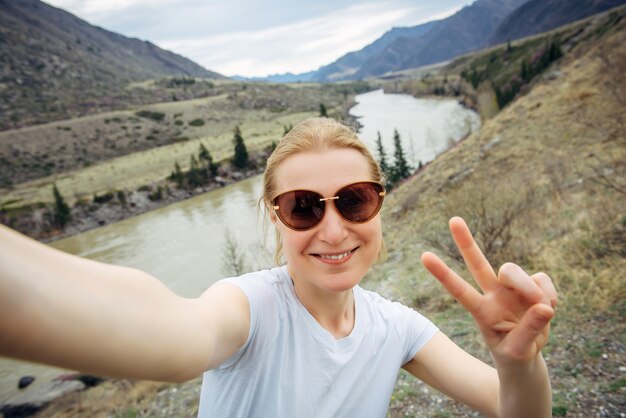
296 47
258 37
94 10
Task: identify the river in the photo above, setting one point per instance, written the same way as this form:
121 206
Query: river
183 244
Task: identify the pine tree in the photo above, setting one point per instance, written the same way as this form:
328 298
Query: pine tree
194 177
401 169
177 175
241 152
323 112
205 155
525 73
62 213
382 158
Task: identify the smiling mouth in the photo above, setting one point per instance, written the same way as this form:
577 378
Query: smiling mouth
335 257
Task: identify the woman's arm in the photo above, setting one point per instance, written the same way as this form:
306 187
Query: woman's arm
71 312
513 314
444 366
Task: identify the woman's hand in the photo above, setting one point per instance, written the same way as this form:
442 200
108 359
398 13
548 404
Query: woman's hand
514 310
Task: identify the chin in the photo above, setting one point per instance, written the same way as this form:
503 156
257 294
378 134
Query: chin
343 281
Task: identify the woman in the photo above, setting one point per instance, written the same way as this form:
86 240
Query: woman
300 340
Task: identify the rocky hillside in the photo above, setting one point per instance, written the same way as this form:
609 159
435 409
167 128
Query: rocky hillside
465 31
55 65
538 16
346 66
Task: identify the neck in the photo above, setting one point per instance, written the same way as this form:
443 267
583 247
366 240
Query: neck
334 311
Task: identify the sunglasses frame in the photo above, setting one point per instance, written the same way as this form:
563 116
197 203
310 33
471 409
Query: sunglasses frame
381 199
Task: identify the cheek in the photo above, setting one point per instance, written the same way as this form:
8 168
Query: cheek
294 242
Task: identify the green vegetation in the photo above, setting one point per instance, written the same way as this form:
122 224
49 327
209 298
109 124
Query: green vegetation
323 112
382 162
197 122
205 156
177 175
62 214
202 169
531 59
401 168
240 160
104 198
180 81
148 114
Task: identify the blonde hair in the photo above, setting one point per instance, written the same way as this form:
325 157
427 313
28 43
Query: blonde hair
315 134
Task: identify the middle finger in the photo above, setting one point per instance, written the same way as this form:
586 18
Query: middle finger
474 258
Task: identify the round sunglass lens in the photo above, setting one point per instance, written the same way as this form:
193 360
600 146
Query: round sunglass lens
359 202
300 209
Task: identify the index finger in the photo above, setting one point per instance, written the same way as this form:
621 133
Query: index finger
465 294
474 258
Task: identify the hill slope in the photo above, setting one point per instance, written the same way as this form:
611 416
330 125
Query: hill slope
538 16
346 66
462 32
541 184
55 65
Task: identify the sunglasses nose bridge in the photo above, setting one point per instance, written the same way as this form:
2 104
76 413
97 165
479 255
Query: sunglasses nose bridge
333 227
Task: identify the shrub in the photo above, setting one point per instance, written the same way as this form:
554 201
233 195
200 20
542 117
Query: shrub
148 114
107 197
197 122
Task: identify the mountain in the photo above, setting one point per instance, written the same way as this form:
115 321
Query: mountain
350 63
279 78
48 55
538 16
466 30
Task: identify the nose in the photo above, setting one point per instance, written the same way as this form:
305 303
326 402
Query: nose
332 229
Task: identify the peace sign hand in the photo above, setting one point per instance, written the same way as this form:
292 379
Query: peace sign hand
514 311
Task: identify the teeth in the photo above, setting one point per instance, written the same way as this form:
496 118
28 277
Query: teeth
335 257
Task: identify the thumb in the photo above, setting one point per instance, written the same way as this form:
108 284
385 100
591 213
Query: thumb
522 338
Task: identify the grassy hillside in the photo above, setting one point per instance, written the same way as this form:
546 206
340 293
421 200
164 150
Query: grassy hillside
56 66
542 184
489 79
127 149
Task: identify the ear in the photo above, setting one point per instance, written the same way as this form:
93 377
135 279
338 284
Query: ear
273 218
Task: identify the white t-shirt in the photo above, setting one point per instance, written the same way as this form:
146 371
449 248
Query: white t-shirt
290 366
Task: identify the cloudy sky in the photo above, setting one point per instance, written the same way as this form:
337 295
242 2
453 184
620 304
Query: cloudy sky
258 37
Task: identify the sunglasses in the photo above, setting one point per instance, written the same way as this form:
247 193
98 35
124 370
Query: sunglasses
301 210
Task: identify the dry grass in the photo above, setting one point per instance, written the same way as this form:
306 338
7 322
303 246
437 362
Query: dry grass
145 167
554 162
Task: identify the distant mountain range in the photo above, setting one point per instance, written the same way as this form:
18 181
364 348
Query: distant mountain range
483 23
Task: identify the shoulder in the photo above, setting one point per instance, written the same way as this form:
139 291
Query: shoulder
399 316
262 279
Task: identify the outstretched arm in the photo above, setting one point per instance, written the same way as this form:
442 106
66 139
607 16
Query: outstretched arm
71 312
513 313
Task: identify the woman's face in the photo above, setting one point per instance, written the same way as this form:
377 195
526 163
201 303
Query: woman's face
307 252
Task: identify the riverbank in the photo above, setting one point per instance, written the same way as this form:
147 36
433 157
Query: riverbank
38 222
